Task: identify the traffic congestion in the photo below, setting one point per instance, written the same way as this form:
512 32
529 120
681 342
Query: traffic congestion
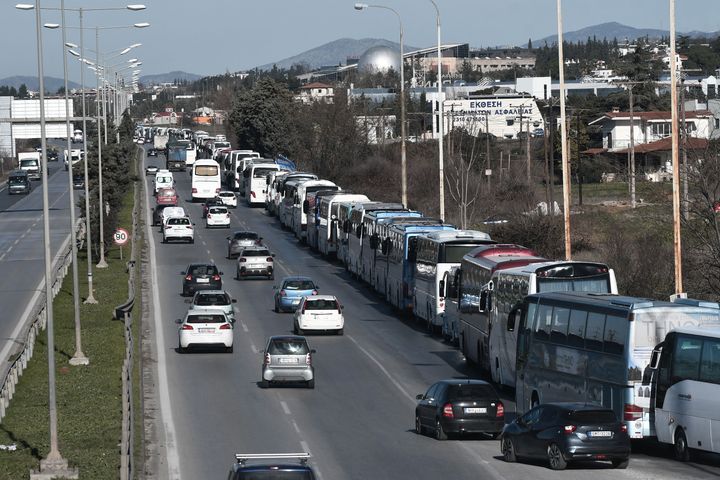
499 311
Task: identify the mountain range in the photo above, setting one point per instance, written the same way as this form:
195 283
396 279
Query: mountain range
52 84
615 30
333 53
169 77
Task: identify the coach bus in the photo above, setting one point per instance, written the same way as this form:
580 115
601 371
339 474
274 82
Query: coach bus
595 348
355 231
206 181
329 221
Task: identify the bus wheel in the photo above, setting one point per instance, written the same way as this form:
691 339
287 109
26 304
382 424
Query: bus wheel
682 451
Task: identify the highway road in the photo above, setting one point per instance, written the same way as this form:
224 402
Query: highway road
358 421
22 267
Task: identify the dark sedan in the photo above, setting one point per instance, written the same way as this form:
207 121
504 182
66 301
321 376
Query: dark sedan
241 239
565 432
157 214
78 181
211 202
200 276
459 406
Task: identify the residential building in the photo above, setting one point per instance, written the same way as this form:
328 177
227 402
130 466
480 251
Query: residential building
316 92
378 129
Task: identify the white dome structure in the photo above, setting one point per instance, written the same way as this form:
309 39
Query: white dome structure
379 59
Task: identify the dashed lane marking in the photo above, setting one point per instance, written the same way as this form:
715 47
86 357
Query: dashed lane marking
244 327
285 408
295 426
253 348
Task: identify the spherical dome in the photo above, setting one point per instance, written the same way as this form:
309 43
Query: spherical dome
379 59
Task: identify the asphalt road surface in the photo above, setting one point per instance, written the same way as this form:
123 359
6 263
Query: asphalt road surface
358 421
22 261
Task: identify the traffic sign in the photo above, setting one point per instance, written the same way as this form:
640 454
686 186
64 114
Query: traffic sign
121 236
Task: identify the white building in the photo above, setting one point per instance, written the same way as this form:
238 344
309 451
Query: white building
648 127
316 92
538 87
378 129
20 119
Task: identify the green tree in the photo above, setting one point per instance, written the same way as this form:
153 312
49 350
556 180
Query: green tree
23 91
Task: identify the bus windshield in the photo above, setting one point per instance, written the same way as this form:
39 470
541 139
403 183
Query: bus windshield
651 326
206 170
262 172
597 284
455 253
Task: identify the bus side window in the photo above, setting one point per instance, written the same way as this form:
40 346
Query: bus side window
524 331
543 322
561 318
594 331
687 360
710 362
615 334
576 329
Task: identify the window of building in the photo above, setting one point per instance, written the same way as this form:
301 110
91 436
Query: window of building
661 129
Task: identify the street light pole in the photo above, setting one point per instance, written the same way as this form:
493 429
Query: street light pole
441 118
101 206
79 357
563 136
677 241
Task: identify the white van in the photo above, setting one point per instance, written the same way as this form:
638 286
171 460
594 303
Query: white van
163 179
205 179
77 136
30 163
256 182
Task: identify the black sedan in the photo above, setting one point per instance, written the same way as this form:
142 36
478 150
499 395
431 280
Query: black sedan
157 214
565 432
459 406
211 202
78 181
200 276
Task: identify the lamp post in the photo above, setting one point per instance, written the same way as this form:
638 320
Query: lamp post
677 244
563 136
403 156
441 118
54 462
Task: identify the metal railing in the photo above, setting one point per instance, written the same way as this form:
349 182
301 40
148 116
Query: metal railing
124 312
14 368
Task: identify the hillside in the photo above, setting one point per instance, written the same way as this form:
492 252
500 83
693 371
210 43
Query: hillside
169 77
615 30
52 84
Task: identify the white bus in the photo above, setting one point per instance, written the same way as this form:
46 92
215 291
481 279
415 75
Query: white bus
206 181
345 210
272 180
476 270
289 188
328 228
256 182
684 385
437 253
300 206
509 287
355 232
596 348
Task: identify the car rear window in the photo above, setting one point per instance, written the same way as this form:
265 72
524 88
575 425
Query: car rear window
204 270
167 193
471 391
593 416
273 474
218 210
321 304
226 194
245 236
256 253
18 179
288 347
209 299
206 319
299 285
178 221
29 163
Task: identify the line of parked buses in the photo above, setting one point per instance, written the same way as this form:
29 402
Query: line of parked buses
552 330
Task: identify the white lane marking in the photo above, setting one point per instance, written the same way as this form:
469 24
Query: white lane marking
3 255
486 465
203 242
305 446
254 348
384 370
212 260
17 240
173 457
285 407
295 426
244 327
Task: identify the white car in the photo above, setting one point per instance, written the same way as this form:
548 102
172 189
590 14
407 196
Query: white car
178 228
228 198
171 212
319 313
163 179
204 327
217 216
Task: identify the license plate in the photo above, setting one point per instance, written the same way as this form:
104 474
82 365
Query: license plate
288 360
600 434
203 280
206 330
475 410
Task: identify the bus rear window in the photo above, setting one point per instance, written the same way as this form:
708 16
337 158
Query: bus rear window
206 170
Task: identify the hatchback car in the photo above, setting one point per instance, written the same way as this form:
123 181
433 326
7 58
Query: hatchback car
201 276
291 290
241 239
255 262
210 202
178 228
78 181
228 198
273 466
287 358
319 313
455 406
217 216
218 300
202 327
151 170
170 211
565 432
167 196
19 182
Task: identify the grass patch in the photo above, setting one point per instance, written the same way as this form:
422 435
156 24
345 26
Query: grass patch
88 397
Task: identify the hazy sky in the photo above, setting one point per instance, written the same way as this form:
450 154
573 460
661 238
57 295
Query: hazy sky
214 36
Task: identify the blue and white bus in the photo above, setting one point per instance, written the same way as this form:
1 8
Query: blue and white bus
591 347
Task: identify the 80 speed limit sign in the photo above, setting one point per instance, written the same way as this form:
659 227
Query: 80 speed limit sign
121 236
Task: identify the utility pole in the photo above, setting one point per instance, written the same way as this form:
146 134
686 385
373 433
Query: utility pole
547 166
632 147
527 149
487 147
685 205
563 136
677 241
579 161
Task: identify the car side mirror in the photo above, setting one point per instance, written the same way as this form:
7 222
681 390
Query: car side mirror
182 273
272 254
274 287
441 287
221 273
234 300
313 351
178 321
188 300
342 307
419 396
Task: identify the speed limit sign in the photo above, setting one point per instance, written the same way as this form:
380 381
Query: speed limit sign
121 236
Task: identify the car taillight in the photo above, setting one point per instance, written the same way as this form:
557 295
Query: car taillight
209 215
188 277
225 326
568 429
242 260
252 193
217 190
216 278
282 293
623 428
227 215
314 292
500 411
187 327
167 227
632 412
189 227
448 411
267 359
269 259
194 190
308 359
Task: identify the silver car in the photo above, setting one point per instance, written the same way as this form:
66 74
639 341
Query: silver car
241 239
213 300
255 262
287 358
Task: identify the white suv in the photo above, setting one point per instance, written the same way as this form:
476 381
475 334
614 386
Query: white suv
178 228
320 313
217 216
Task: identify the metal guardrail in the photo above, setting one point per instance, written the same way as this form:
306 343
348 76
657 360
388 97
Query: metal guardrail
124 312
15 368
